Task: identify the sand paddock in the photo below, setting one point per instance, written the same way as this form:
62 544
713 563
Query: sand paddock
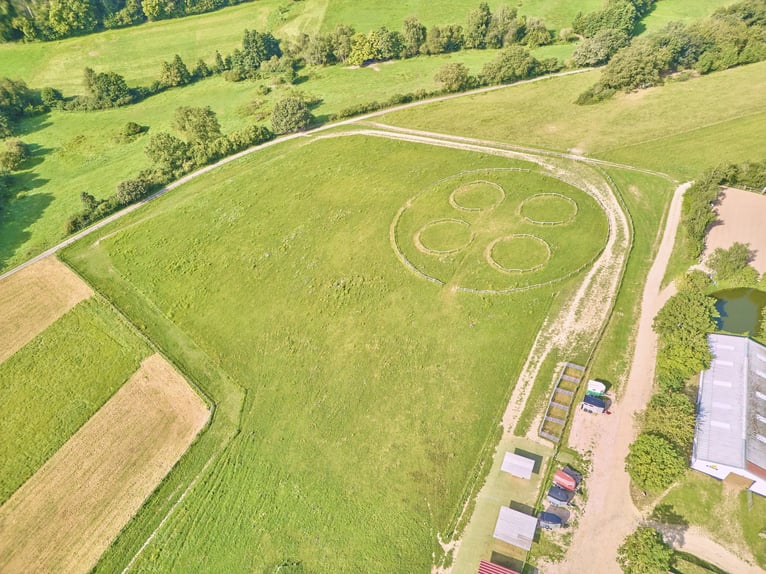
741 218
33 298
65 516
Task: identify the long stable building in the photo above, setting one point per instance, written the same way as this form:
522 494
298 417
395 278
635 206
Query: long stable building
731 412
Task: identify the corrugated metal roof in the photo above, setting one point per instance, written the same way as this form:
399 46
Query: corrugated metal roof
490 568
517 465
515 528
732 403
720 436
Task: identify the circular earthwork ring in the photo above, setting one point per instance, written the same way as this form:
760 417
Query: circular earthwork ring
473 187
492 261
417 239
544 197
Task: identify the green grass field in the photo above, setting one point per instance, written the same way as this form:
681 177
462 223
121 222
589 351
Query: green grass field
365 16
680 11
370 391
56 382
137 52
680 128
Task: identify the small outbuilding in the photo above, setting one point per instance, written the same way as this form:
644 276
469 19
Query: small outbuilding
515 528
518 465
492 568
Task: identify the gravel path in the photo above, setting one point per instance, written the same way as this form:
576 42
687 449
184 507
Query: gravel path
609 514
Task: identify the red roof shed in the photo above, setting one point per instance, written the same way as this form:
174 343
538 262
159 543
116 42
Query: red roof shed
565 481
490 568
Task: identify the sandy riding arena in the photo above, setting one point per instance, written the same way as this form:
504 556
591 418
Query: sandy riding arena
741 216
65 516
33 298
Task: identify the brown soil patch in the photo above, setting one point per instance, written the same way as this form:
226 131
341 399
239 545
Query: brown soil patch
33 298
65 516
740 218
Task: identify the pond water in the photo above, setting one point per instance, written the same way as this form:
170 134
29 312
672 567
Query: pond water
740 310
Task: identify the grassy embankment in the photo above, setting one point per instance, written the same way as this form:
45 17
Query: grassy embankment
54 384
370 392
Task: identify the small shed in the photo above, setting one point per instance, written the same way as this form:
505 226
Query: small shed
564 480
515 528
492 568
518 465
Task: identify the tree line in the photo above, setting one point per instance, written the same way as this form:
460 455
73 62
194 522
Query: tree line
31 20
732 36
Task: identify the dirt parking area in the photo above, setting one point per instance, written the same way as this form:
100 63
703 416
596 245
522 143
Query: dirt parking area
33 298
65 516
741 218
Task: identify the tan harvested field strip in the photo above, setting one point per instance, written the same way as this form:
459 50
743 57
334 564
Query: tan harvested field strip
65 516
33 298
741 217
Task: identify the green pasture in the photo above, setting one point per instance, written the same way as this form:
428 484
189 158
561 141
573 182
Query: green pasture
686 11
680 128
733 516
79 151
55 383
370 392
365 16
136 52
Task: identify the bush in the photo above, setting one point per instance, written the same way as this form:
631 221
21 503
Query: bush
673 417
654 463
697 213
290 114
15 154
725 263
644 552
132 190
51 97
454 77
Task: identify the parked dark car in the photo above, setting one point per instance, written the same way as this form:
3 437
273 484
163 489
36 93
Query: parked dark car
549 521
557 496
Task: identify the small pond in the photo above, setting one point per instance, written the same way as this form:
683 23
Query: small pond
740 310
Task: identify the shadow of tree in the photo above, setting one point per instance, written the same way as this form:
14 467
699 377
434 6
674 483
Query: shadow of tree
16 217
672 525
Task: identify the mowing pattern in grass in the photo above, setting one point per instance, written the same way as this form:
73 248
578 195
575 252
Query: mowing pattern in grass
56 382
369 391
497 250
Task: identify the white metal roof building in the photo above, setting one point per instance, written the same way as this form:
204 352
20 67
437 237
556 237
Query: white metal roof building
515 528
731 412
518 465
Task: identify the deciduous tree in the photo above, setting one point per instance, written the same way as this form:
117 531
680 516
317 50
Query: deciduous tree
290 114
654 463
644 552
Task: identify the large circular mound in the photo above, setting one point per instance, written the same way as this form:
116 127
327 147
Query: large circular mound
477 196
494 231
443 236
548 209
518 253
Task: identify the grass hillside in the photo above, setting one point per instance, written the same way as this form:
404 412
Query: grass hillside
680 128
137 52
370 392
680 11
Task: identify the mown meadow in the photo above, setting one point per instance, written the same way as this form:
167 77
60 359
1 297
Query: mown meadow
681 128
55 383
371 394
